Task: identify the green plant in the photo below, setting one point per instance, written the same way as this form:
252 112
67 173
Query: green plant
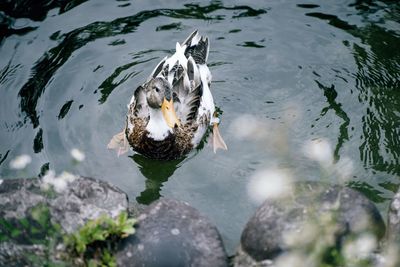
97 236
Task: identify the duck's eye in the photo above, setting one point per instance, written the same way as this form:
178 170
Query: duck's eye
157 90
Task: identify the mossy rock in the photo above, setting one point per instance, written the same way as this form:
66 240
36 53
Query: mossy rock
34 220
266 234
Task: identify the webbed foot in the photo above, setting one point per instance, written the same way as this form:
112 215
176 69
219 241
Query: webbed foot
119 143
218 142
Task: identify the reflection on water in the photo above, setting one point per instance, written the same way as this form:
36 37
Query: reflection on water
109 84
36 10
331 95
68 69
377 83
156 173
4 157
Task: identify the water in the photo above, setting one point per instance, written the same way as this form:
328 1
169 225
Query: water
315 69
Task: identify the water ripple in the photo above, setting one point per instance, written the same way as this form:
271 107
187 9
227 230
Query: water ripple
377 81
332 20
252 44
51 61
64 109
36 11
315 68
109 84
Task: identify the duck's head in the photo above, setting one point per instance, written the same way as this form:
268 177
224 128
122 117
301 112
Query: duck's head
159 98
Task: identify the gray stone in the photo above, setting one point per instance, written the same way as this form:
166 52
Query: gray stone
171 233
81 200
243 259
15 254
265 235
134 209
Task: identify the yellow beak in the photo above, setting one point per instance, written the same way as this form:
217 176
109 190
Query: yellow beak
168 111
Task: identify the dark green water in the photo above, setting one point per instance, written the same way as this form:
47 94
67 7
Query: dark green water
68 69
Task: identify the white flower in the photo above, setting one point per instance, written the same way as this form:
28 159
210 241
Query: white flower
319 150
20 162
47 179
396 202
77 154
269 184
391 256
66 176
247 127
59 183
291 259
361 248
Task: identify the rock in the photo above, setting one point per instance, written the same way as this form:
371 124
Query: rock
243 259
171 233
29 214
393 231
134 209
277 224
15 254
83 199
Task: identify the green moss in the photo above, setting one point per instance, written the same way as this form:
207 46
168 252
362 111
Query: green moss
92 245
36 228
40 213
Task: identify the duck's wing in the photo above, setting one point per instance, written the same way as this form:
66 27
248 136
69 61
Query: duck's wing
180 83
193 72
187 99
138 106
198 47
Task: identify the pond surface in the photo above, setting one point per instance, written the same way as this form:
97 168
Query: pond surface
311 69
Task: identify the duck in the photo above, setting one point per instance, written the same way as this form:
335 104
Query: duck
171 112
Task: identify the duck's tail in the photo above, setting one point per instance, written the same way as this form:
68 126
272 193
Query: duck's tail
197 47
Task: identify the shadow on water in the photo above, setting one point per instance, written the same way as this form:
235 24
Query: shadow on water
156 172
